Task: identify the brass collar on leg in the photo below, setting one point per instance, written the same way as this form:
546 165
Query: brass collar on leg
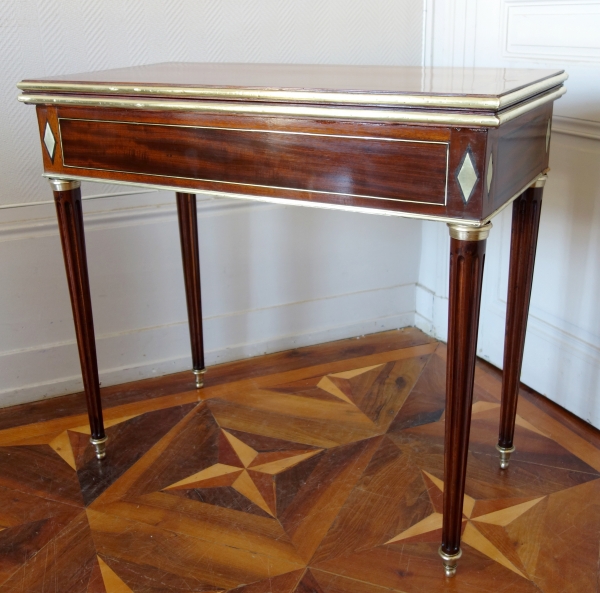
540 181
64 184
505 453
199 377
462 232
100 446
450 561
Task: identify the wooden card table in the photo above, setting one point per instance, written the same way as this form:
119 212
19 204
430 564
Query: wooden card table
453 145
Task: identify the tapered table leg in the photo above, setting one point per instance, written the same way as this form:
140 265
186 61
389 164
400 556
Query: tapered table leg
525 224
467 254
188 234
67 197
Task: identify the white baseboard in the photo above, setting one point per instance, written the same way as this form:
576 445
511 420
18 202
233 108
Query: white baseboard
558 364
274 329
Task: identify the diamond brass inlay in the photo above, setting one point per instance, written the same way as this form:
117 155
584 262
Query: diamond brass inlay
548 132
467 176
49 141
490 173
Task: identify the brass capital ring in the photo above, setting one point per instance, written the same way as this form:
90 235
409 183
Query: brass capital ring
462 232
540 181
64 184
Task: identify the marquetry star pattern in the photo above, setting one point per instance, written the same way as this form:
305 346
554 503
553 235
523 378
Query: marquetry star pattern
487 541
246 470
307 480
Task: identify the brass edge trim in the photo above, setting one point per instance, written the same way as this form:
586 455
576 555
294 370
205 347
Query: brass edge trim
463 232
281 201
292 189
165 125
540 181
337 113
288 202
66 184
512 113
327 97
532 90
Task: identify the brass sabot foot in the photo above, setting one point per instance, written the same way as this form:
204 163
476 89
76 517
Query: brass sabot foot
199 377
100 447
450 561
505 453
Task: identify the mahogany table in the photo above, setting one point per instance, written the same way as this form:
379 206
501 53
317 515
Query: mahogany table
453 145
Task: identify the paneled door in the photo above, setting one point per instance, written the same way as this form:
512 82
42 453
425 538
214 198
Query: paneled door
562 351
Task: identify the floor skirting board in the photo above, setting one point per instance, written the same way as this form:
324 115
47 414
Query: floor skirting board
51 370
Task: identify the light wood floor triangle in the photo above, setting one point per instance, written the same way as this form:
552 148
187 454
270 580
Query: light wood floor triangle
326 384
62 445
482 544
243 451
506 516
85 429
112 582
430 523
355 372
209 473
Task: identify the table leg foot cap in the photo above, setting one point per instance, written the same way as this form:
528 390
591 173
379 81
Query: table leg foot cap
199 374
450 561
99 446
505 453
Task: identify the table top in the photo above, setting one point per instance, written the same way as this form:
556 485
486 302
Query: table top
445 143
489 89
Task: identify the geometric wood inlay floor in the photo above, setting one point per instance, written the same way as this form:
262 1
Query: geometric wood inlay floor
316 470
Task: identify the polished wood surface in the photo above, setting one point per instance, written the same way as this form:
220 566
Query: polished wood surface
519 150
190 254
343 165
342 446
525 224
72 238
399 168
467 259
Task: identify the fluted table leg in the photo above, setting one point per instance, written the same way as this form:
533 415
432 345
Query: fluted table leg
467 254
190 253
67 197
525 224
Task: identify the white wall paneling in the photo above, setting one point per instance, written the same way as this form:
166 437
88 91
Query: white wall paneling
552 29
273 277
562 351
62 36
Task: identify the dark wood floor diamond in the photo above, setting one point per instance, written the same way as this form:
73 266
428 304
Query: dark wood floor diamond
310 471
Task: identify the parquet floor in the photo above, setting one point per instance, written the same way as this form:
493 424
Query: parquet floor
311 471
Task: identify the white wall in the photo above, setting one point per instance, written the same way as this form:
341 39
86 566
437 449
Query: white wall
273 277
276 277
562 351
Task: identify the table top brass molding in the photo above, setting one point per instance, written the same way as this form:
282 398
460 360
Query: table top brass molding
390 99
454 118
